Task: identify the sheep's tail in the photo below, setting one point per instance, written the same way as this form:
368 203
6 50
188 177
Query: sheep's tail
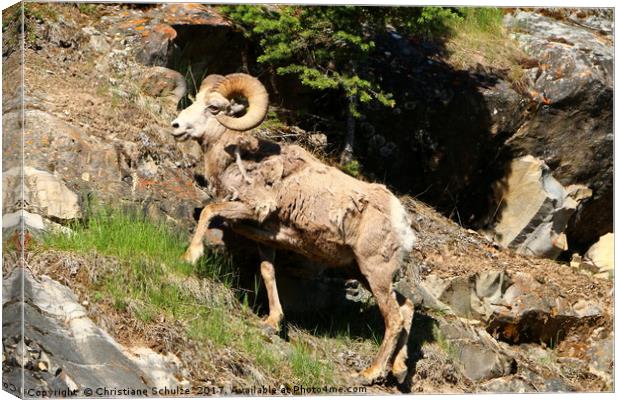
402 225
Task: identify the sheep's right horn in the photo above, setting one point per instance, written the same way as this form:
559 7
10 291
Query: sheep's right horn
256 94
210 82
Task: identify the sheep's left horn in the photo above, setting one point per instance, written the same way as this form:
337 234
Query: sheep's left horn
256 94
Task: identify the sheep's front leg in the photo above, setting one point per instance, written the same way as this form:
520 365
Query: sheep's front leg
230 210
268 272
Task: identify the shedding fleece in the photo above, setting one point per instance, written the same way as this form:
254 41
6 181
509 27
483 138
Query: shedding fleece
402 225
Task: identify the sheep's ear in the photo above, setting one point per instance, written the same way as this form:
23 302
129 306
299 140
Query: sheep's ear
236 109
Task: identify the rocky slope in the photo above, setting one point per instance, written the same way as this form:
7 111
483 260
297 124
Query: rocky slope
97 107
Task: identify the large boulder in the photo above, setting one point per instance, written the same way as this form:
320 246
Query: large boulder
43 193
600 257
535 209
50 338
442 140
186 37
571 130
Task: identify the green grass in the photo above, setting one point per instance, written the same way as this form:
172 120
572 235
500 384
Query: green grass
41 11
480 20
352 168
149 282
444 343
87 8
479 38
141 242
150 254
127 236
308 368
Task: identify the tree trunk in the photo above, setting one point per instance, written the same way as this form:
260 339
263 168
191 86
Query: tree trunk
347 153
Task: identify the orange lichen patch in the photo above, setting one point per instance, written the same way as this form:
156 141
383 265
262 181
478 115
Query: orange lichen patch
145 183
173 8
133 23
18 242
166 30
192 14
194 6
181 188
139 28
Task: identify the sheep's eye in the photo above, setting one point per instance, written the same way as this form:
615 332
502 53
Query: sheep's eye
213 108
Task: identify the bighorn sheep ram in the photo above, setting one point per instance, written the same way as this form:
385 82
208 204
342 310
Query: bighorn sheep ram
282 197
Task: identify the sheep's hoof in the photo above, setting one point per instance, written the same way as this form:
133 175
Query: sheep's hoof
368 376
270 327
192 254
400 373
214 237
269 330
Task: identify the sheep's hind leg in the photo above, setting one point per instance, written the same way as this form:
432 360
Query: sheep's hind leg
399 367
228 210
379 275
267 270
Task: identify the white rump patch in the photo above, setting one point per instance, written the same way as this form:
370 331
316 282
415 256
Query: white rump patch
402 224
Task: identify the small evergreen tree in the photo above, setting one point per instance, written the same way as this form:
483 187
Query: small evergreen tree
328 47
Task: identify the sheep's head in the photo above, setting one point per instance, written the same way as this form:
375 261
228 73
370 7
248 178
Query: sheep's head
217 107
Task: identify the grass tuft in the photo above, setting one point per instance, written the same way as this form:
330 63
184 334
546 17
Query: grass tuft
480 38
134 238
309 369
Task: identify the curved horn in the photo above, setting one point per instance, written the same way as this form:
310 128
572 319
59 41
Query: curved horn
210 82
258 101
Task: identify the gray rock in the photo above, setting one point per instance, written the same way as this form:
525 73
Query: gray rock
600 355
600 257
515 308
32 222
157 47
535 209
164 82
62 33
43 193
78 354
317 140
573 86
479 355
99 44
96 40
508 384
86 161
